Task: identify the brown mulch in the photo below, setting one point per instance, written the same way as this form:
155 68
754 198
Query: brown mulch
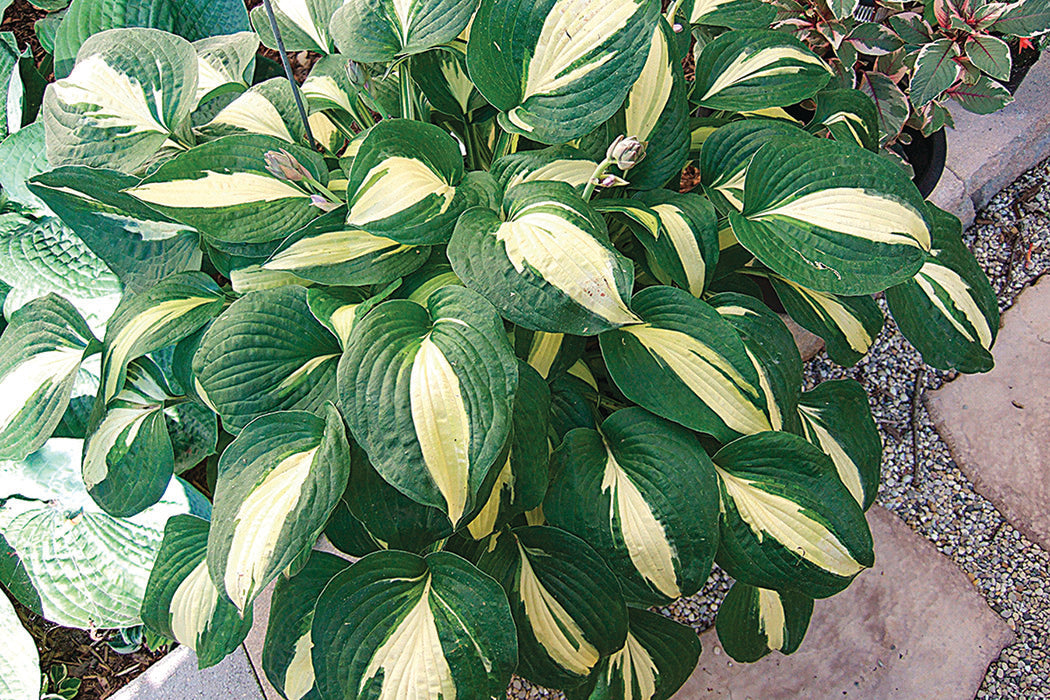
19 20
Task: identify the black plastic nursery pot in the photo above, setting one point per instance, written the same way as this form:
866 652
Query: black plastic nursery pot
926 155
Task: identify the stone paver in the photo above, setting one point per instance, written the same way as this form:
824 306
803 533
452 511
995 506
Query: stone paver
996 424
808 344
951 195
176 677
911 628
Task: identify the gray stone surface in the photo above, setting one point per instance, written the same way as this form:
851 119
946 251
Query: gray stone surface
911 628
951 196
996 424
988 152
254 643
176 677
808 344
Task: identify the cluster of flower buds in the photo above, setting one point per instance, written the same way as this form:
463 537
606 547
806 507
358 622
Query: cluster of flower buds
283 165
626 152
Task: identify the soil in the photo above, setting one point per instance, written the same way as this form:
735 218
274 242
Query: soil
19 19
1023 60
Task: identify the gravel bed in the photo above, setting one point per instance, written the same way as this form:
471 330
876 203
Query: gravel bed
920 481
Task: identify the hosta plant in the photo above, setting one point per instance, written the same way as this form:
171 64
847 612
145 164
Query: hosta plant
913 58
468 328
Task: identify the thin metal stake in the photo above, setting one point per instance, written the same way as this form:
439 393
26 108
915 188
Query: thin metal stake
288 72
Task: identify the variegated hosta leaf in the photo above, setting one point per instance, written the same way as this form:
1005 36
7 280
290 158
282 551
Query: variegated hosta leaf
44 257
191 19
405 183
657 660
225 64
140 245
89 568
849 115
755 621
224 190
348 534
442 76
338 308
328 86
428 393
40 355
657 111
773 352
684 362
267 108
128 455
160 316
837 419
303 24
15 104
556 163
546 262
643 493
566 603
684 250
443 629
330 251
948 311
572 404
753 69
376 31
848 324
19 660
287 656
278 482
266 353
734 14
522 480
22 156
550 354
832 217
182 602
130 91
558 68
727 152
788 522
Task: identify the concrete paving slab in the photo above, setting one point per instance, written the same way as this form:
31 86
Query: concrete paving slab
912 627
996 424
988 152
253 645
176 677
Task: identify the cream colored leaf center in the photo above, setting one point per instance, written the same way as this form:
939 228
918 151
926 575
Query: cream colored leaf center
332 248
116 100
636 667
193 606
393 186
650 93
37 373
682 238
217 190
771 618
958 291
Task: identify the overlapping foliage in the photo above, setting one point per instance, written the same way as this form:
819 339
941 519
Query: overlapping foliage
481 343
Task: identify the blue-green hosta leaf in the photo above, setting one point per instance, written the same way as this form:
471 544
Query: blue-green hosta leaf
40 354
734 14
773 352
330 251
19 660
753 69
223 189
755 621
684 250
566 603
405 182
130 91
557 164
397 625
225 64
442 76
848 324
550 354
137 243
89 568
558 68
657 111
657 660
522 480
182 602
267 108
684 362
12 88
788 522
643 493
935 71
303 24
832 217
44 257
191 19
428 392
546 262
128 455
849 115
266 353
160 316
837 419
278 482
948 311
377 31
22 155
286 658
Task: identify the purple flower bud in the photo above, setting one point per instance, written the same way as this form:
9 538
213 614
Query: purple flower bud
677 28
282 164
626 152
322 203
